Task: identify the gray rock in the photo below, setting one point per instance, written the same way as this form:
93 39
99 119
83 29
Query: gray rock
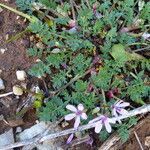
33 131
6 138
2 86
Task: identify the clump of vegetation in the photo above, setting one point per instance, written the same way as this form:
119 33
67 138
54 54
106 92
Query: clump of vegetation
92 53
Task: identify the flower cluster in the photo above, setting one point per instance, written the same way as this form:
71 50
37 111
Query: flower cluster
78 113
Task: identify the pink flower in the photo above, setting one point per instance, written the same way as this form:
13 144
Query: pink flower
111 93
96 13
90 141
72 26
146 36
103 121
90 88
70 138
96 59
72 23
118 108
78 114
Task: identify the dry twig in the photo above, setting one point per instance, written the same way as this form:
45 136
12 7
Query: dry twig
6 94
138 140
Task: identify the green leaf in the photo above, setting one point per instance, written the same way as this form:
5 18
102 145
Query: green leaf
55 60
119 53
39 70
59 79
54 109
80 86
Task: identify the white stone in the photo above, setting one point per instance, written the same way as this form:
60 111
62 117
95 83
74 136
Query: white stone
40 45
2 86
21 75
55 50
7 138
18 129
33 131
17 90
146 35
17 17
2 50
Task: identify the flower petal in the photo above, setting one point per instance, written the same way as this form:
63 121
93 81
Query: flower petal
71 107
80 107
114 113
118 103
77 122
70 138
84 116
98 126
124 104
107 126
123 111
70 116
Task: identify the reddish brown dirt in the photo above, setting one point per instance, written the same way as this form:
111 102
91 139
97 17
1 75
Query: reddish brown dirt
142 131
14 58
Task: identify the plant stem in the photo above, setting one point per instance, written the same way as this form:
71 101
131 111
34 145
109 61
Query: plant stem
141 49
104 98
137 43
73 11
6 94
138 140
30 18
16 37
71 81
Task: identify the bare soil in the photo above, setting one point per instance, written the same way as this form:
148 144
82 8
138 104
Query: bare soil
13 59
142 131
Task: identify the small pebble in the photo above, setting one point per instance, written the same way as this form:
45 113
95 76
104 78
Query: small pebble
146 36
7 36
55 50
0 71
40 45
17 17
1 117
21 75
37 60
18 129
2 50
31 38
17 90
65 124
2 86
